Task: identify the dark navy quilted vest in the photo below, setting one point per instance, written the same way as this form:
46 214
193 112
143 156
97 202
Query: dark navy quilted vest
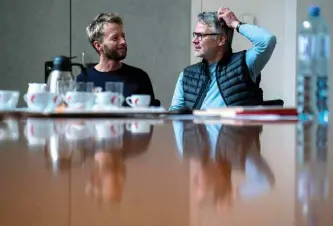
233 78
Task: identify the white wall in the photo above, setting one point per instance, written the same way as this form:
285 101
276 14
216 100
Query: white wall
32 32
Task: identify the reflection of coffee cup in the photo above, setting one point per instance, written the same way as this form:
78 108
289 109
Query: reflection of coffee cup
105 130
8 99
76 131
33 141
80 100
9 130
138 127
42 100
40 128
138 101
109 99
38 131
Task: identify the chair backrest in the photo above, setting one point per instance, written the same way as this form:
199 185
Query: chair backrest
275 102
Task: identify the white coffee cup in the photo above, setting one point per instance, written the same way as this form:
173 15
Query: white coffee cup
9 99
138 127
80 100
36 87
137 101
109 99
42 100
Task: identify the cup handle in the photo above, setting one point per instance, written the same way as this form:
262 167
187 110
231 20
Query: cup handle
25 98
128 126
129 101
121 99
16 95
14 99
8 102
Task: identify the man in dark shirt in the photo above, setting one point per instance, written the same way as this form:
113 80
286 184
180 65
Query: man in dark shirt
106 35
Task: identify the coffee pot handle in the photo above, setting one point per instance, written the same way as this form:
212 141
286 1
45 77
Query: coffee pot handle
83 70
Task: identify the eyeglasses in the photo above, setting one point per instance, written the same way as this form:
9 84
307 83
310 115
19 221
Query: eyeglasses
202 35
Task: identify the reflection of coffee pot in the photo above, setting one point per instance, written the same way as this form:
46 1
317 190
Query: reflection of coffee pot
61 71
62 155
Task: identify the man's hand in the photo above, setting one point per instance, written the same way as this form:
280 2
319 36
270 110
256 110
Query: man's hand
228 16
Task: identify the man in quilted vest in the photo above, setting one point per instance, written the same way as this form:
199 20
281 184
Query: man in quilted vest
223 78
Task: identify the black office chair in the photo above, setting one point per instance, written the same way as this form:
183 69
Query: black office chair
275 102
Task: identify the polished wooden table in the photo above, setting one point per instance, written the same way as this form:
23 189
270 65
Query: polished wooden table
164 172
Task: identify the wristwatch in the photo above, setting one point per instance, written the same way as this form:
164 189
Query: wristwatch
238 26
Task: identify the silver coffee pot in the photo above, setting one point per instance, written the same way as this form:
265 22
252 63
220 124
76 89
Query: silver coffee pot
61 71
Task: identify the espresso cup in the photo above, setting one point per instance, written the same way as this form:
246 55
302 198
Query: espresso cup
36 87
9 99
80 100
42 100
109 99
138 101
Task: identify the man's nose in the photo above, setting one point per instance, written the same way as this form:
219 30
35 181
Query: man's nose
195 40
123 41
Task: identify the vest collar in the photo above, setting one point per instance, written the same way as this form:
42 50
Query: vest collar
222 62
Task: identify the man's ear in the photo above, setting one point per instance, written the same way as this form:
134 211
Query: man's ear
98 46
222 40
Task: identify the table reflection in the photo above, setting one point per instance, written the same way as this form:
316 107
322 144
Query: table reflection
218 151
312 173
108 173
70 143
130 171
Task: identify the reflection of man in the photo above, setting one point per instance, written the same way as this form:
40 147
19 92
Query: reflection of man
217 150
108 176
109 172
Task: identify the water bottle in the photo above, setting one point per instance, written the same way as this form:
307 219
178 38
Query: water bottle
313 67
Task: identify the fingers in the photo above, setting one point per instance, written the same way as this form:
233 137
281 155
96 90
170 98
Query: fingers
223 12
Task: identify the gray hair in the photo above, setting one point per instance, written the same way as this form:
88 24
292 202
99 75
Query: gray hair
211 20
95 30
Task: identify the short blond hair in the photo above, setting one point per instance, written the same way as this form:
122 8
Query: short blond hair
95 29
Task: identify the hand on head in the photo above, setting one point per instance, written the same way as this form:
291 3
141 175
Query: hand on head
228 17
